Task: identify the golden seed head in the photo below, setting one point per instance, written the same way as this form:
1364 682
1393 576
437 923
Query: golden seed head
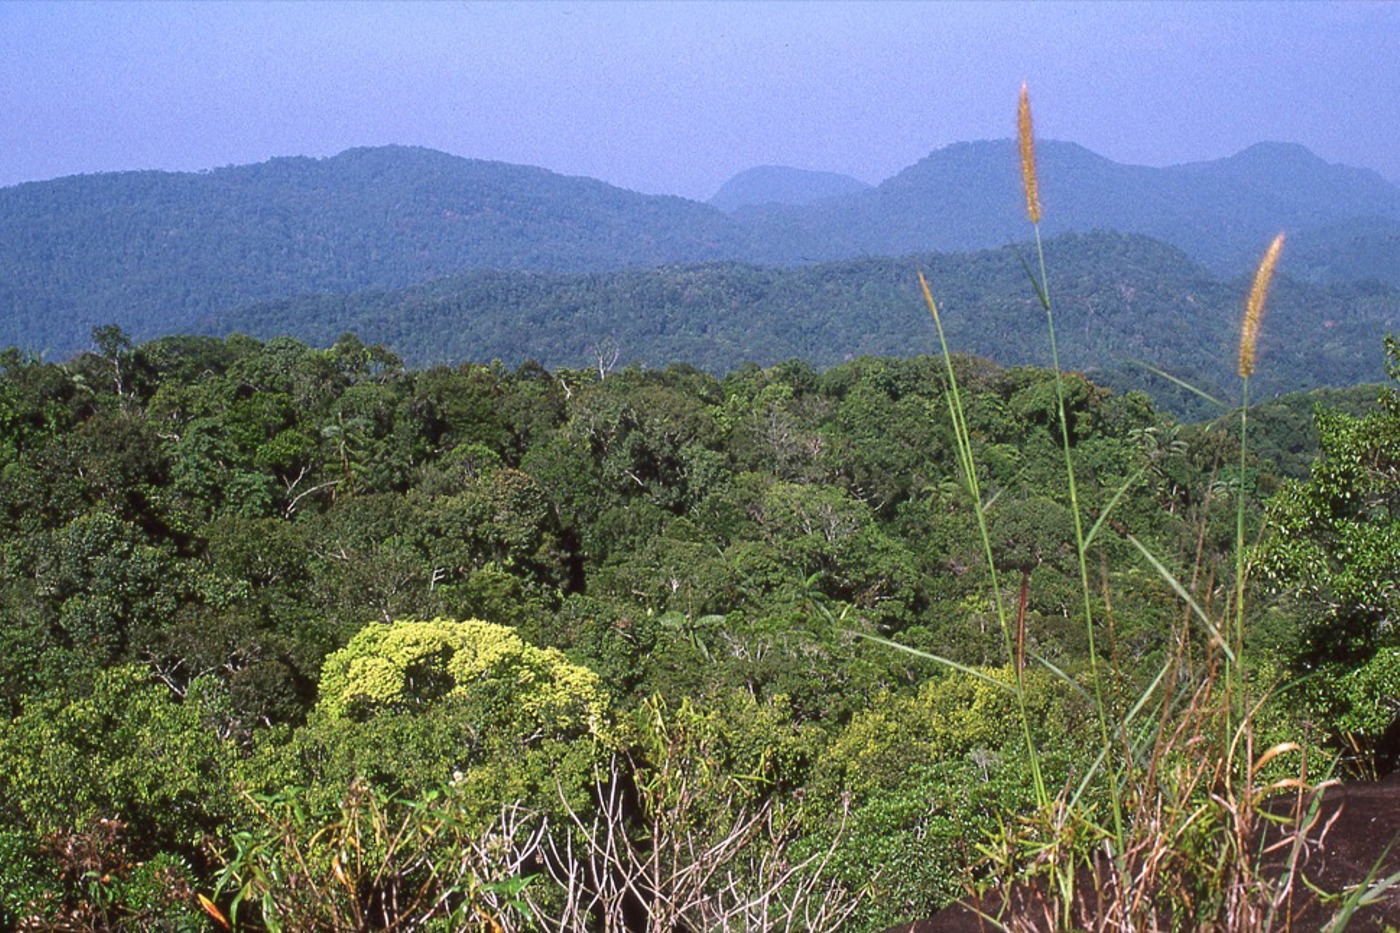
928 297
1254 307
1027 139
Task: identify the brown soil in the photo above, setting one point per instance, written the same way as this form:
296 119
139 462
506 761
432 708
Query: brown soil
1356 836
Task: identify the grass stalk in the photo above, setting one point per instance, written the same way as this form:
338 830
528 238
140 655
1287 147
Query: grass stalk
1249 341
968 466
1041 284
1180 775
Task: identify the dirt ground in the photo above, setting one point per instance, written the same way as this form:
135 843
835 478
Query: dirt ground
1356 836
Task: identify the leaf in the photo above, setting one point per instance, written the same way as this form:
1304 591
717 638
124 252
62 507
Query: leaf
213 911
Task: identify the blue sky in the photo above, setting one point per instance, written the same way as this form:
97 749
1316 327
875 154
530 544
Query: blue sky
676 97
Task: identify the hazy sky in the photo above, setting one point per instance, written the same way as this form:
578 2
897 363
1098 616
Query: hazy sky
675 97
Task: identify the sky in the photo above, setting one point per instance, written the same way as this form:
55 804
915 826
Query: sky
677 97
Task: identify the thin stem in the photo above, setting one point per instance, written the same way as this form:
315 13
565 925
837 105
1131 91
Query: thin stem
1043 290
1236 670
968 466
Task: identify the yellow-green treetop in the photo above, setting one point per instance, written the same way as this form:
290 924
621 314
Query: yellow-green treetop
408 664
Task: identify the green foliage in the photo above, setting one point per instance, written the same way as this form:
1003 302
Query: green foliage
927 774
410 665
750 746
951 718
88 879
408 706
124 749
1333 554
100 580
1370 696
1283 431
914 841
376 862
187 564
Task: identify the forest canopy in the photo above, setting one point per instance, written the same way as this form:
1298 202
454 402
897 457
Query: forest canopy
255 594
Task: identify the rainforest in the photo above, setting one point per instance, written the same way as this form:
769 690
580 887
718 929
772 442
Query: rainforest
301 638
669 569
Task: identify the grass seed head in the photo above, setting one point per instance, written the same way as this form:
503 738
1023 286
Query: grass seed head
1254 307
1027 140
928 297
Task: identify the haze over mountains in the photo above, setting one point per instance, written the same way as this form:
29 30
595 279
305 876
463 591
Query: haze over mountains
1121 300
779 184
162 252
968 196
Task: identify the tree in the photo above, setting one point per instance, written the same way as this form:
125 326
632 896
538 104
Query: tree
692 831
1335 553
115 347
125 750
101 580
411 664
408 706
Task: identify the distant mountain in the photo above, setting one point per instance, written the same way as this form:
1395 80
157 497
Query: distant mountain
968 195
1353 250
1119 300
777 184
155 252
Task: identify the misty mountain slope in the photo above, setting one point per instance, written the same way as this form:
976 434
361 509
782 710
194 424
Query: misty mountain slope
968 195
156 252
778 184
1289 178
1119 299
152 251
1355 250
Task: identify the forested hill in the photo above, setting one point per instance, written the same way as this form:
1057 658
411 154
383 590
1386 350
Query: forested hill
1220 212
1119 300
155 252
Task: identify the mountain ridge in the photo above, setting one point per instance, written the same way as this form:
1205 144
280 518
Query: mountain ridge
156 251
968 195
1120 299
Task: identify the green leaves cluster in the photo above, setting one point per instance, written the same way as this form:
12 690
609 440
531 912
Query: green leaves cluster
406 665
1333 557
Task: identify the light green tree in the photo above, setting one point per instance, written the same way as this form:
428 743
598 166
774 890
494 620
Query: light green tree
409 665
408 706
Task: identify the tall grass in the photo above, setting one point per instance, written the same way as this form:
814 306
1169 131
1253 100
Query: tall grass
1165 827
